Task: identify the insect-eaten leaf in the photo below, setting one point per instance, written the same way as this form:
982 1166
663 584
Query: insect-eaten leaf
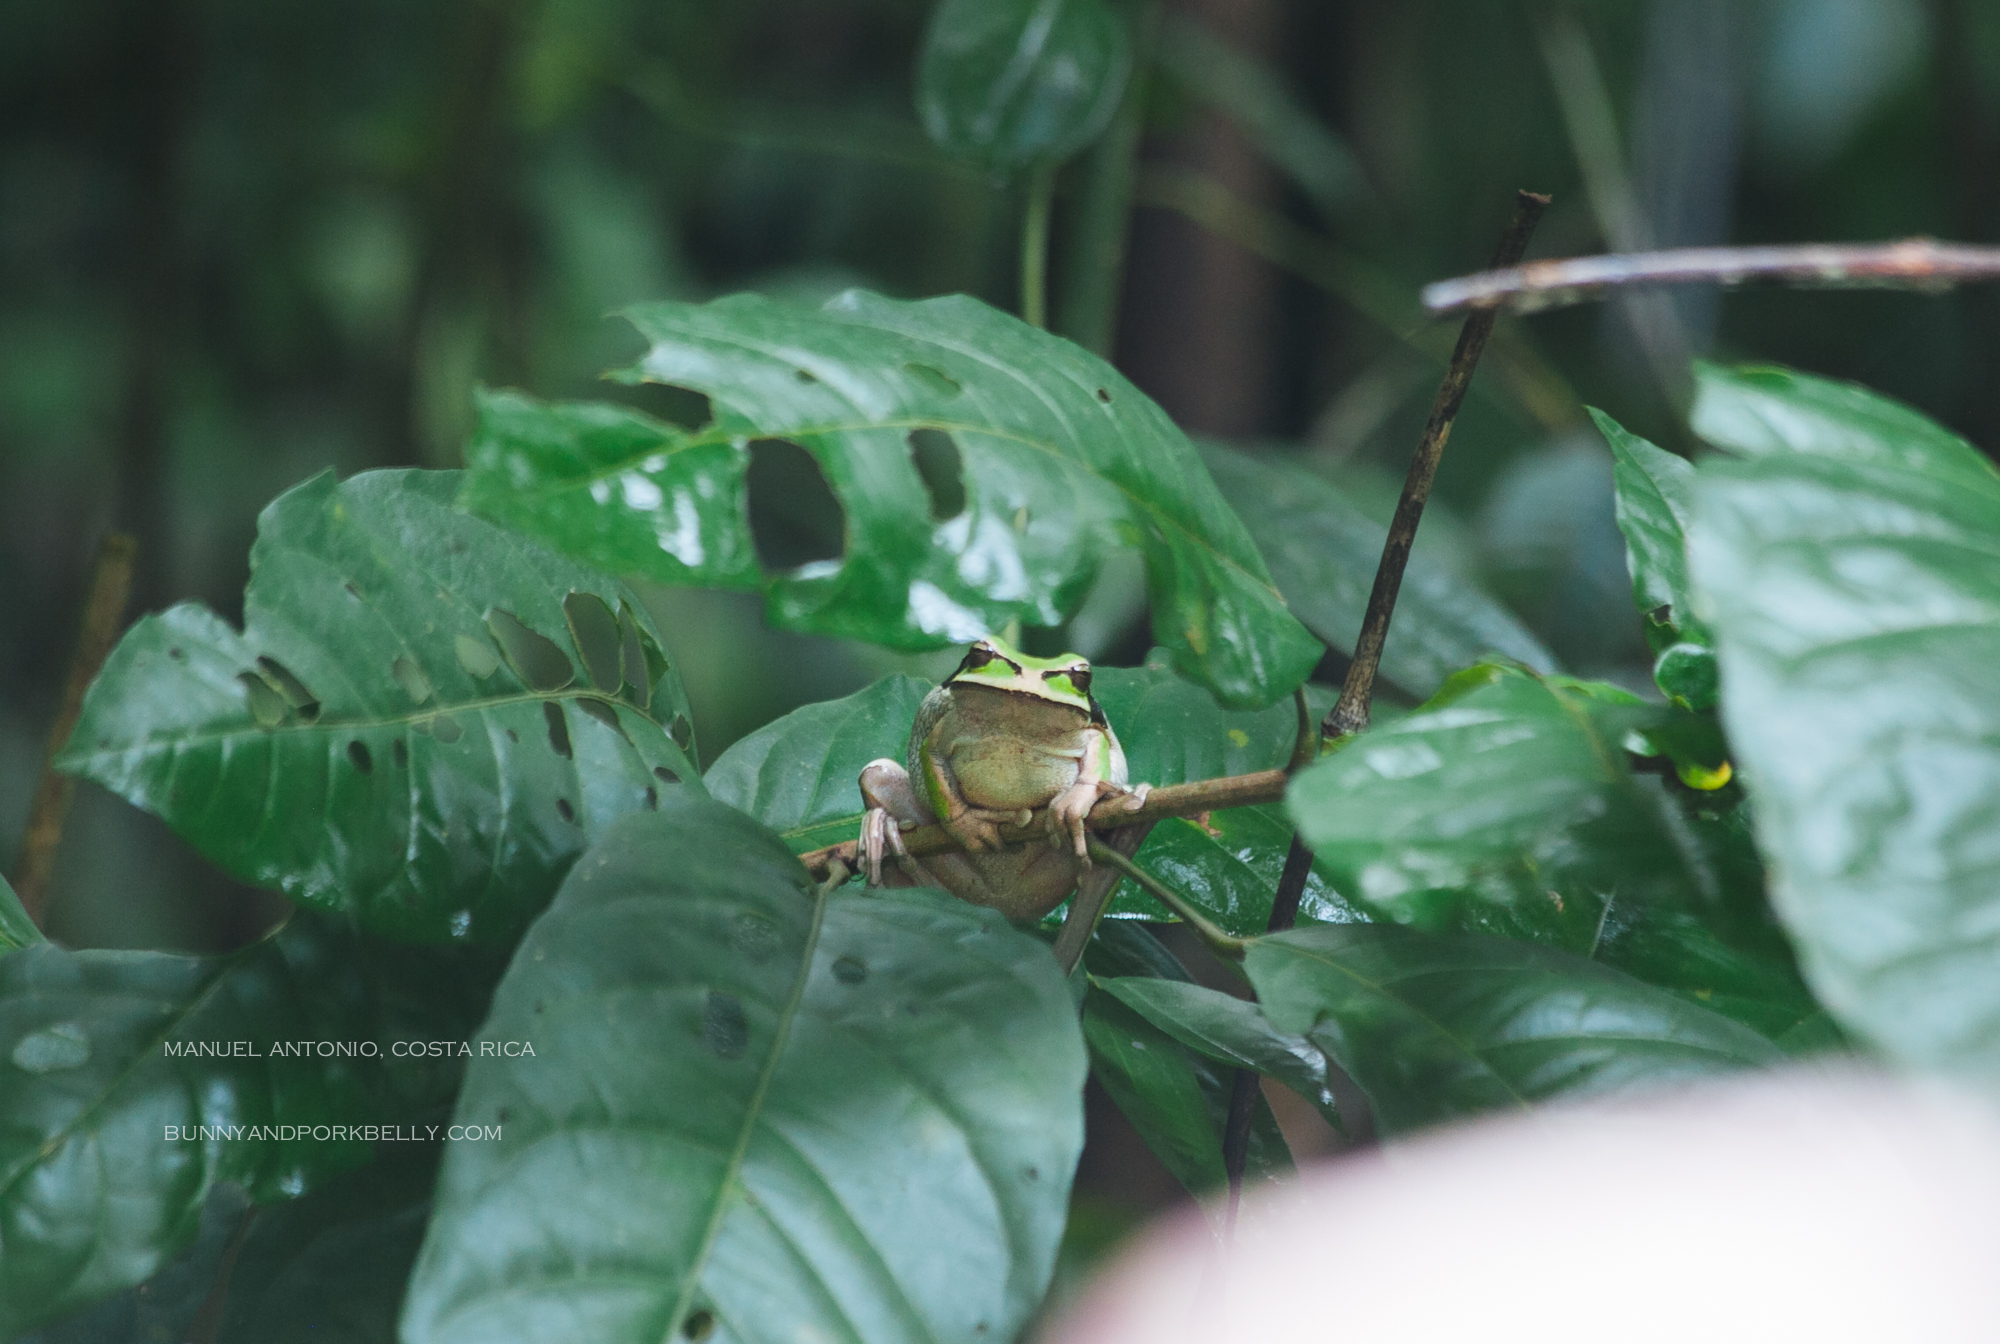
1058 461
374 740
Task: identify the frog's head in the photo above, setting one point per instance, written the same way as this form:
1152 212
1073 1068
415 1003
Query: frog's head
995 664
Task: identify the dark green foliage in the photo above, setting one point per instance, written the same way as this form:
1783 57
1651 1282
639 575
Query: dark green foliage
1010 83
1322 553
103 1169
406 727
1436 1027
757 1105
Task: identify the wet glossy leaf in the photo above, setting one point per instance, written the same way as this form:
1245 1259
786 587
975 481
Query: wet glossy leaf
799 774
756 1111
621 490
432 795
1762 410
1177 1099
1015 82
1434 1027
1655 506
1323 552
1853 574
16 929
1061 460
1485 788
1229 1031
97 1189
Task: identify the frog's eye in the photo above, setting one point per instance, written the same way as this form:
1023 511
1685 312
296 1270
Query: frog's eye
1069 680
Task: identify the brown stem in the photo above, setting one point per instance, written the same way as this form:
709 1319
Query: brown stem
1172 800
1913 263
1350 713
103 616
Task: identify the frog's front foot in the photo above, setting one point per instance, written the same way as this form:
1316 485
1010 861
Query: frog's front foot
978 828
1070 810
880 834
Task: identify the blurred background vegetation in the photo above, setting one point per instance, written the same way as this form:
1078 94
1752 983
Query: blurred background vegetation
242 243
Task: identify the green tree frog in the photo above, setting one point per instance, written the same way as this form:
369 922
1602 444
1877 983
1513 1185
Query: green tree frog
1005 734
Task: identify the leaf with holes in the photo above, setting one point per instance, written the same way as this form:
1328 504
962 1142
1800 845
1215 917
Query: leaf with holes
1655 502
756 1109
983 468
110 1061
1434 1027
424 720
16 929
1009 83
1851 563
1322 551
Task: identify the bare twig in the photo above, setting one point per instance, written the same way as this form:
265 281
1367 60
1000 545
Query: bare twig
1171 800
103 617
1914 263
1350 713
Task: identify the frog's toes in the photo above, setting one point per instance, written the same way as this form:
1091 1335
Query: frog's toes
1136 798
1066 814
880 834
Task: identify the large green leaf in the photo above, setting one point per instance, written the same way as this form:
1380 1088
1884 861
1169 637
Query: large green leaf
103 1169
1016 82
1852 568
16 929
1229 1031
1655 503
1761 410
1322 551
1483 788
1435 1027
756 1112
424 721
1036 457
1506 806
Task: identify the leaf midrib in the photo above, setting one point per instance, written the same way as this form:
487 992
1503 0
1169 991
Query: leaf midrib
733 1169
